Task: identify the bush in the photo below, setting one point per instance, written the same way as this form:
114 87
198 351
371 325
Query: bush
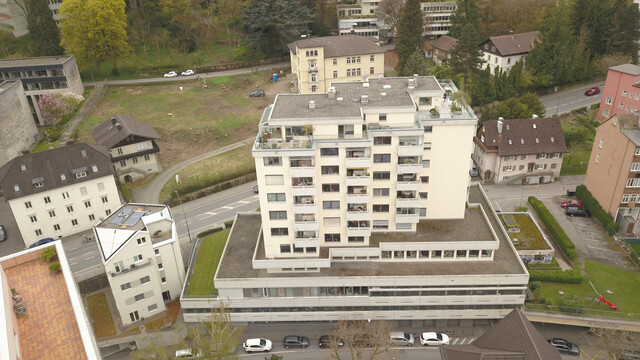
554 228
541 300
572 304
49 254
228 224
596 210
559 276
209 232
55 267
522 209
535 285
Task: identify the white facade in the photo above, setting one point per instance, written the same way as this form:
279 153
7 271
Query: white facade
142 258
13 18
494 61
132 167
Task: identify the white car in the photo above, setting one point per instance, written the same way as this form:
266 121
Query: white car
171 74
188 354
433 338
188 72
257 345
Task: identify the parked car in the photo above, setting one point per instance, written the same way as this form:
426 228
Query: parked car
574 211
188 72
40 242
401 338
326 341
295 341
572 203
256 345
255 189
593 91
629 355
257 93
171 74
433 338
188 354
474 170
3 233
564 346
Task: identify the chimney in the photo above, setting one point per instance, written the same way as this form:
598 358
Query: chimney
534 116
364 98
113 120
500 127
118 126
411 83
331 92
312 104
415 79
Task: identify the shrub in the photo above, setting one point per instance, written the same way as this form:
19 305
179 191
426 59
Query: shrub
49 254
559 276
522 209
52 108
209 232
571 304
55 267
554 228
596 210
228 224
535 285
541 300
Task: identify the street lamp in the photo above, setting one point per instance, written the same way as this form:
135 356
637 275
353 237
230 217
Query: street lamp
184 215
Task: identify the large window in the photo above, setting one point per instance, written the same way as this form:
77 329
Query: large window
332 237
331 205
382 140
274 179
377 192
272 161
277 215
275 197
331 221
381 175
381 208
330 170
382 158
330 187
329 152
279 231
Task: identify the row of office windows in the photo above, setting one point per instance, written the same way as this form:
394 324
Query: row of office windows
357 308
365 291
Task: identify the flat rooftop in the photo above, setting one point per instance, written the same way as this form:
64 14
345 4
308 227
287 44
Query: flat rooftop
296 106
35 61
49 330
237 259
129 217
5 84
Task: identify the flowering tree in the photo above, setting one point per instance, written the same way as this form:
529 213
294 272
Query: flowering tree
52 108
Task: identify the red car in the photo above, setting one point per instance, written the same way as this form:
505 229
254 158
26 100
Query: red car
571 204
593 91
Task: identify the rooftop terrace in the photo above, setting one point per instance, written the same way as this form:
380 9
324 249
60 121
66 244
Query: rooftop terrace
35 61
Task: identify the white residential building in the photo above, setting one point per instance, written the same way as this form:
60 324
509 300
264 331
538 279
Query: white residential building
366 213
142 258
59 192
502 52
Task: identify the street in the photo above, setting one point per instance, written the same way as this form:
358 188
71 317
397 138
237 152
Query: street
564 101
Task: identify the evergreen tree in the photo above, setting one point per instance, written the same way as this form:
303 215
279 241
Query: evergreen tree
410 30
624 29
415 64
44 37
483 89
467 13
272 24
466 57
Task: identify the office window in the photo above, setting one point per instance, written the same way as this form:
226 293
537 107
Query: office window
74 222
277 215
381 158
125 286
377 192
331 205
275 197
285 249
279 231
47 200
144 280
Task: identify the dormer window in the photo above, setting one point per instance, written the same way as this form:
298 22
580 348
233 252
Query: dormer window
23 167
83 153
81 174
63 177
522 141
534 126
94 168
510 142
537 141
16 188
508 127
38 182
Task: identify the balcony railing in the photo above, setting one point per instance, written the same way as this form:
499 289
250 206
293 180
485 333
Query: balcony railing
131 268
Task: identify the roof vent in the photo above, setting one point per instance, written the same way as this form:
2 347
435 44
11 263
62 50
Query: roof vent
553 140
386 86
508 127
537 141
339 99
365 84
383 94
312 104
331 92
499 126
364 98
522 141
411 83
535 126
534 116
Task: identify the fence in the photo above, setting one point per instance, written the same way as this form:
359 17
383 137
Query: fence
571 311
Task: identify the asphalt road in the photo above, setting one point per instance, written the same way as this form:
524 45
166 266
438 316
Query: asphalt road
564 101
14 242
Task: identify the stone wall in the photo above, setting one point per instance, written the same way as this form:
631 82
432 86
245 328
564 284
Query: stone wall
19 130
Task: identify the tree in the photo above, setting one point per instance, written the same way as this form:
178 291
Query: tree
515 108
409 32
625 27
231 12
272 24
217 337
617 342
415 64
390 12
358 336
467 13
44 36
94 30
466 56
52 108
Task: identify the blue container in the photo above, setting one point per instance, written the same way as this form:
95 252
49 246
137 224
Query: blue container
275 77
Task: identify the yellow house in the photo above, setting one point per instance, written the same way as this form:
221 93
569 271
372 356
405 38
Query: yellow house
317 62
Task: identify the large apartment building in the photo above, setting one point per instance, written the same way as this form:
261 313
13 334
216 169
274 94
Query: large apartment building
142 258
59 192
19 131
613 174
366 212
43 75
13 18
621 92
317 62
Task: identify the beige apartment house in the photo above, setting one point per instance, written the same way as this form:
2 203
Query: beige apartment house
142 258
613 174
19 131
519 151
318 62
367 212
131 145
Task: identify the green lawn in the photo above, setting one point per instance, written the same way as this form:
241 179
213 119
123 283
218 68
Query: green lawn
553 265
625 286
100 315
529 237
209 254
575 162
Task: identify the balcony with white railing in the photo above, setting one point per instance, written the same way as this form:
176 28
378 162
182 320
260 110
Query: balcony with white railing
358 231
358 195
305 222
409 168
358 212
306 242
303 186
304 205
410 150
408 218
408 183
358 158
364 180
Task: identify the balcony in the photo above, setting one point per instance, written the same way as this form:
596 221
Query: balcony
409 168
408 218
313 69
131 268
358 215
364 180
408 202
302 171
306 226
359 198
304 205
408 185
359 231
306 242
410 150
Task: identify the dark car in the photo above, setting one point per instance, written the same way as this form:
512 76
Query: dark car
255 189
3 233
295 341
40 242
593 91
575 211
257 93
326 341
564 346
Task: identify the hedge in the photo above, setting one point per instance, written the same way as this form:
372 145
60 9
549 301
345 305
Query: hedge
228 224
567 276
563 241
209 232
596 210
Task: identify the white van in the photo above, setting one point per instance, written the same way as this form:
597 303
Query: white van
188 354
401 338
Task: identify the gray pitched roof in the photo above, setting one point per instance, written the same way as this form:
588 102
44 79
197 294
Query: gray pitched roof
444 43
344 45
630 69
513 336
46 167
118 127
514 44
523 136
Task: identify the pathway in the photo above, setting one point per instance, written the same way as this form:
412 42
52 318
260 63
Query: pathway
84 112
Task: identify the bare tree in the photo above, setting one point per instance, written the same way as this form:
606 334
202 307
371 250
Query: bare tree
390 11
617 342
360 337
216 337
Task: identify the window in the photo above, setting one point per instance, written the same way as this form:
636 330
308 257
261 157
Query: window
163 279
382 140
83 190
274 179
624 93
139 297
335 61
625 198
380 224
16 188
597 158
74 222
279 231
381 175
330 187
601 143
605 113
427 146
382 158
381 208
123 163
285 249
277 215
609 100
541 156
423 195
33 218
125 286
511 158
147 157
156 251
137 258
56 227
144 280
621 106
314 78
275 197
134 316
330 170
508 168
331 205
104 199
119 266
119 150
521 167
378 192
356 239
153 307
92 217
87 204
329 152
426 163
332 237
314 88
107 212
382 117
372 70
135 160
141 240
554 165
372 58
23 167
335 74
81 174
160 266
424 179
428 129
94 168
541 166
38 232
47 200
65 195
27 204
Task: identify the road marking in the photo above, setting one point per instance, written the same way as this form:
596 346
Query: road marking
244 202
88 253
73 263
455 341
227 207
89 258
211 213
472 339
463 341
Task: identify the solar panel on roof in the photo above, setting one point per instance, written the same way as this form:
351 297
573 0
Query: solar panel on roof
125 212
133 219
116 220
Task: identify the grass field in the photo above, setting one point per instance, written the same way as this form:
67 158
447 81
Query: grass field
575 162
529 237
209 254
173 309
100 315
